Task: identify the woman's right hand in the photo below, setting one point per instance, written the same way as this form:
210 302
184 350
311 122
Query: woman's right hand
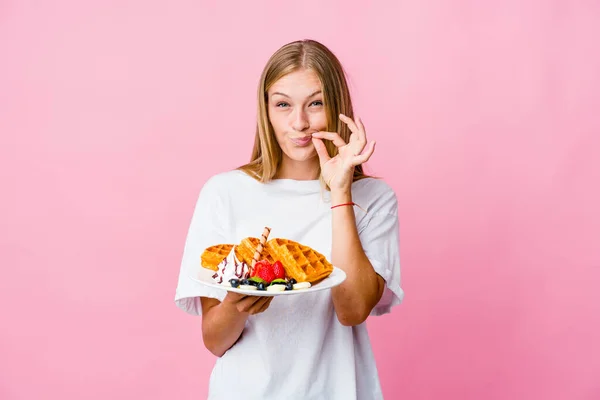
246 303
224 321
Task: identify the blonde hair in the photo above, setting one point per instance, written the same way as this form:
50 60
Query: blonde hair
266 154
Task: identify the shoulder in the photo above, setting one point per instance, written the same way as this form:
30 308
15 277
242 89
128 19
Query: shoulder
375 195
226 181
218 188
228 185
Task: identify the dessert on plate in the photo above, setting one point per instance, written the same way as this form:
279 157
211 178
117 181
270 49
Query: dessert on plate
260 264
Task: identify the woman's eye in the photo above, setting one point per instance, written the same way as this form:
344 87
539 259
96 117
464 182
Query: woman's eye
317 103
281 105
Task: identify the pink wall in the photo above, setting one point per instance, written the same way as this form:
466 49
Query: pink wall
112 114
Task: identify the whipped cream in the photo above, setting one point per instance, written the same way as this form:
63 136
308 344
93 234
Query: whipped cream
231 268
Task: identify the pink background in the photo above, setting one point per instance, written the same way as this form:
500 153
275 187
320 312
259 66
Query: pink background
113 114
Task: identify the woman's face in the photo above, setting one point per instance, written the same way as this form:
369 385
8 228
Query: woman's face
296 111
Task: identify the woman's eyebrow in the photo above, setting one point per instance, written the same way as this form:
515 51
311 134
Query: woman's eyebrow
285 95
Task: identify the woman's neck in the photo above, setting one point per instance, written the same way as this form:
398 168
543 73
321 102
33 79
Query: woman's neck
298 170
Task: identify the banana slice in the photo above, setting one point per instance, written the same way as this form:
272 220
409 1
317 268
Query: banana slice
276 288
247 287
301 285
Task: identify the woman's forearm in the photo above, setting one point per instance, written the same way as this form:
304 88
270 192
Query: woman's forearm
222 325
362 289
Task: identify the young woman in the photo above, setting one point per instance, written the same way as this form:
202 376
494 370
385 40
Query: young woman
306 182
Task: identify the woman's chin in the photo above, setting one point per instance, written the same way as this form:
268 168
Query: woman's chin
301 154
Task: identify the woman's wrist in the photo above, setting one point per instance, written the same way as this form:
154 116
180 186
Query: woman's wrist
340 197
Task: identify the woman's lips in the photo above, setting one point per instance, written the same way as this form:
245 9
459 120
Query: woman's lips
303 141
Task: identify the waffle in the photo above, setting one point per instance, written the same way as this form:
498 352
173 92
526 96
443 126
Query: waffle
244 251
302 263
213 255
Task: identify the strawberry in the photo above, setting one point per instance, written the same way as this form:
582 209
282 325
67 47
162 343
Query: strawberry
259 265
266 273
278 270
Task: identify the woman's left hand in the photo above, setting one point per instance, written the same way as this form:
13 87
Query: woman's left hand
338 171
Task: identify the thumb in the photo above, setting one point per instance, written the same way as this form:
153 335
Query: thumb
321 150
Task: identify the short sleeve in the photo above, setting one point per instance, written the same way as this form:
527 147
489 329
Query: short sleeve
380 238
206 228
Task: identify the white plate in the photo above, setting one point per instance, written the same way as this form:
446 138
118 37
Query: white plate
336 277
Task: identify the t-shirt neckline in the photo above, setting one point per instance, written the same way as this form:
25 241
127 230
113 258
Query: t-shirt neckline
297 185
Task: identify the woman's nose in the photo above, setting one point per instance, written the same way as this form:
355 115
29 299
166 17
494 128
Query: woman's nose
300 120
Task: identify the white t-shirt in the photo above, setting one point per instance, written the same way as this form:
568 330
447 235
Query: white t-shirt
297 348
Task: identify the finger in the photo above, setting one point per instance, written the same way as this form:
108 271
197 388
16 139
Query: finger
246 303
259 305
354 136
269 302
234 298
265 305
252 307
321 150
364 157
361 129
333 136
357 146
237 296
351 124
